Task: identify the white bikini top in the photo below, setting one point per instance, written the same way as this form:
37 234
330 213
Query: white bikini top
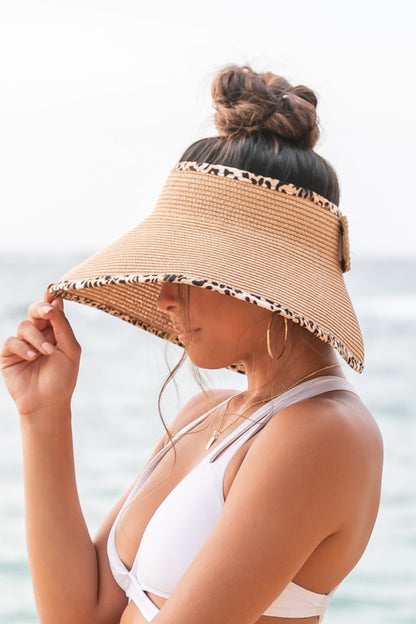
183 521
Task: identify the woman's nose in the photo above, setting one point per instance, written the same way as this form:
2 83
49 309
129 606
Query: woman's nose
166 300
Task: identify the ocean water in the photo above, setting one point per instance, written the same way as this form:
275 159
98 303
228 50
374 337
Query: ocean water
116 424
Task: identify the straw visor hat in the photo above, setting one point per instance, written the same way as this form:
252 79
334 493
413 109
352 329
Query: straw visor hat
247 236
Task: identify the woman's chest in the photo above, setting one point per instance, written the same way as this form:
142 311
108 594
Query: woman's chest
177 505
159 494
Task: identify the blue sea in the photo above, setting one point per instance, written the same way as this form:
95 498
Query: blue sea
116 424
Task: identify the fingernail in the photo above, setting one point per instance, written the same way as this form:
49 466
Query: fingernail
30 353
45 309
47 347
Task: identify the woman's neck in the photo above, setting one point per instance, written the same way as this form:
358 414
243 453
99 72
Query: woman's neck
305 358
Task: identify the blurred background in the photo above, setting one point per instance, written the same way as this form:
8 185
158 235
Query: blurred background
98 99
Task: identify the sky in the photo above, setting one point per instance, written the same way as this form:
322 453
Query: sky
99 98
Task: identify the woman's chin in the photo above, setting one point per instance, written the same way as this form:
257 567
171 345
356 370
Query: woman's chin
209 362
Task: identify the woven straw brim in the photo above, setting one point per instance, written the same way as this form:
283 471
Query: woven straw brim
274 250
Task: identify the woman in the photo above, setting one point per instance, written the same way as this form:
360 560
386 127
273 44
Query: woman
256 505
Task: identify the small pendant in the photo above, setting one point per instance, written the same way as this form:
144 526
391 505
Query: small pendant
212 439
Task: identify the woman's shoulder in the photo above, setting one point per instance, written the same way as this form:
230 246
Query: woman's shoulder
335 433
337 414
340 413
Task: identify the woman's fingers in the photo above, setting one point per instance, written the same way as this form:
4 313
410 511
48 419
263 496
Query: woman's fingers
55 301
20 349
40 363
51 321
58 302
34 338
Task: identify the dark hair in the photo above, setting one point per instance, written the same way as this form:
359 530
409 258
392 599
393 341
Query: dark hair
268 127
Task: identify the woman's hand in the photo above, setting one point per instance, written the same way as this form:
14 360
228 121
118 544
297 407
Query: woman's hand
40 364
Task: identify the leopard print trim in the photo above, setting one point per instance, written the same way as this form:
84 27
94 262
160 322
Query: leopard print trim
63 288
259 180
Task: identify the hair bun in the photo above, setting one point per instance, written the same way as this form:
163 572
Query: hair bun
248 102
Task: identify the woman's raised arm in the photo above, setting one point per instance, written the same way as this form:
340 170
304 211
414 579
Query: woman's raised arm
71 577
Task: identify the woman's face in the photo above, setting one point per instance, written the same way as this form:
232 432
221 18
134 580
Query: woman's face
217 330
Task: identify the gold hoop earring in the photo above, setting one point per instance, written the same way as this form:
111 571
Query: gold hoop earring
268 341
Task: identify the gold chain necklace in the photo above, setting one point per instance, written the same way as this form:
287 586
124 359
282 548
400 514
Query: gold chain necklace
218 431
